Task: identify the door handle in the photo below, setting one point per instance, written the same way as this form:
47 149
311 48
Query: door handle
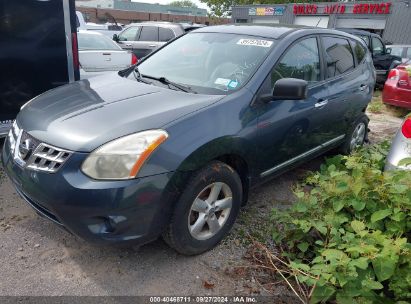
152 45
128 44
363 87
321 103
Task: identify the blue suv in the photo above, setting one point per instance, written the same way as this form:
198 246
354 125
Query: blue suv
172 145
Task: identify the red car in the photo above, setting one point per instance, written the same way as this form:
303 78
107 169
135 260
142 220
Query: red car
397 88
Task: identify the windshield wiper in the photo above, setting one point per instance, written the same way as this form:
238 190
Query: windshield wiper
170 83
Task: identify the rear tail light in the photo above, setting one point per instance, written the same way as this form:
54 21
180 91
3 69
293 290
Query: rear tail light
133 59
406 128
393 75
76 62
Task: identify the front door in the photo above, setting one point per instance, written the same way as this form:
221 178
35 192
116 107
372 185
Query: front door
290 130
147 42
128 37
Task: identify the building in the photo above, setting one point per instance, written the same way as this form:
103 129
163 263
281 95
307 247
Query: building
128 5
126 11
392 20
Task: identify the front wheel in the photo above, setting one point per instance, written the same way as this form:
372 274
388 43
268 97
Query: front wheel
206 210
356 136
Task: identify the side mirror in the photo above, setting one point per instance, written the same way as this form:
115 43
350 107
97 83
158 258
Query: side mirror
290 89
287 89
116 38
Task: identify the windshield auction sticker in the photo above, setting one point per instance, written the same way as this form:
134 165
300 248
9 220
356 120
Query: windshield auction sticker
255 42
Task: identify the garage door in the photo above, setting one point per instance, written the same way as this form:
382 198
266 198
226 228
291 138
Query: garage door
266 20
378 24
319 21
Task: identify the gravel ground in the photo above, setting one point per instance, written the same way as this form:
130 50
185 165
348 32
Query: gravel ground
40 259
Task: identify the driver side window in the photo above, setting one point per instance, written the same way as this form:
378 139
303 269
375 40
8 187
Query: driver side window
130 34
301 61
377 46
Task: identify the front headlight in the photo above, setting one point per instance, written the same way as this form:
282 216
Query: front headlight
123 158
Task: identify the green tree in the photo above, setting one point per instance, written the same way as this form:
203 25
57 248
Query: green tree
183 3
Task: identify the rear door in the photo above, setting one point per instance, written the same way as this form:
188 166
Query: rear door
147 41
346 84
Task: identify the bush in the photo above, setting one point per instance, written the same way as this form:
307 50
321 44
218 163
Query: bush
348 235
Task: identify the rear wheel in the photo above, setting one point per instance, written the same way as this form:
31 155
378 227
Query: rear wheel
206 210
357 135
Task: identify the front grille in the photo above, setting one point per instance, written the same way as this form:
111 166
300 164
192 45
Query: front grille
37 156
47 158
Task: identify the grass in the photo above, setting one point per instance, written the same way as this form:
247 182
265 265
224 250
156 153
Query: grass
376 106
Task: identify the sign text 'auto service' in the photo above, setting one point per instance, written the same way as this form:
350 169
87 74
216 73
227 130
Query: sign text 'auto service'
358 8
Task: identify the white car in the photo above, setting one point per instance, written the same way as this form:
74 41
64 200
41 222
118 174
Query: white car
99 54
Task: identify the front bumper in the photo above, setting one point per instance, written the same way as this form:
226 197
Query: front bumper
98 211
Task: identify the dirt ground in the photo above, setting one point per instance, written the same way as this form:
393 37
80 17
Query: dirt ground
39 259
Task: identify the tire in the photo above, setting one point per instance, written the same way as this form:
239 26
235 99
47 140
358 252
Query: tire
189 231
357 135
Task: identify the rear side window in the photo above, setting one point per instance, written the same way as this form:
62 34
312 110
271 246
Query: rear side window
301 61
129 34
359 51
149 33
165 34
338 55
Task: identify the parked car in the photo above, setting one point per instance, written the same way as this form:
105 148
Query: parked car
108 29
172 145
383 60
99 54
34 34
397 88
143 38
191 26
403 51
399 157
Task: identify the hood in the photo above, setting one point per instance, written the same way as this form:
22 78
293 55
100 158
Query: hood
86 114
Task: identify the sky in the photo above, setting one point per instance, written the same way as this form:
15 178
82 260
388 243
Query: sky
199 4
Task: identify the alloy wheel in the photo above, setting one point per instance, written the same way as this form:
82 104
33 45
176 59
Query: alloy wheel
210 211
358 136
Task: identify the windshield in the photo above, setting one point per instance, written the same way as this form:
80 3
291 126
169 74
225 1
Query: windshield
95 42
210 63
